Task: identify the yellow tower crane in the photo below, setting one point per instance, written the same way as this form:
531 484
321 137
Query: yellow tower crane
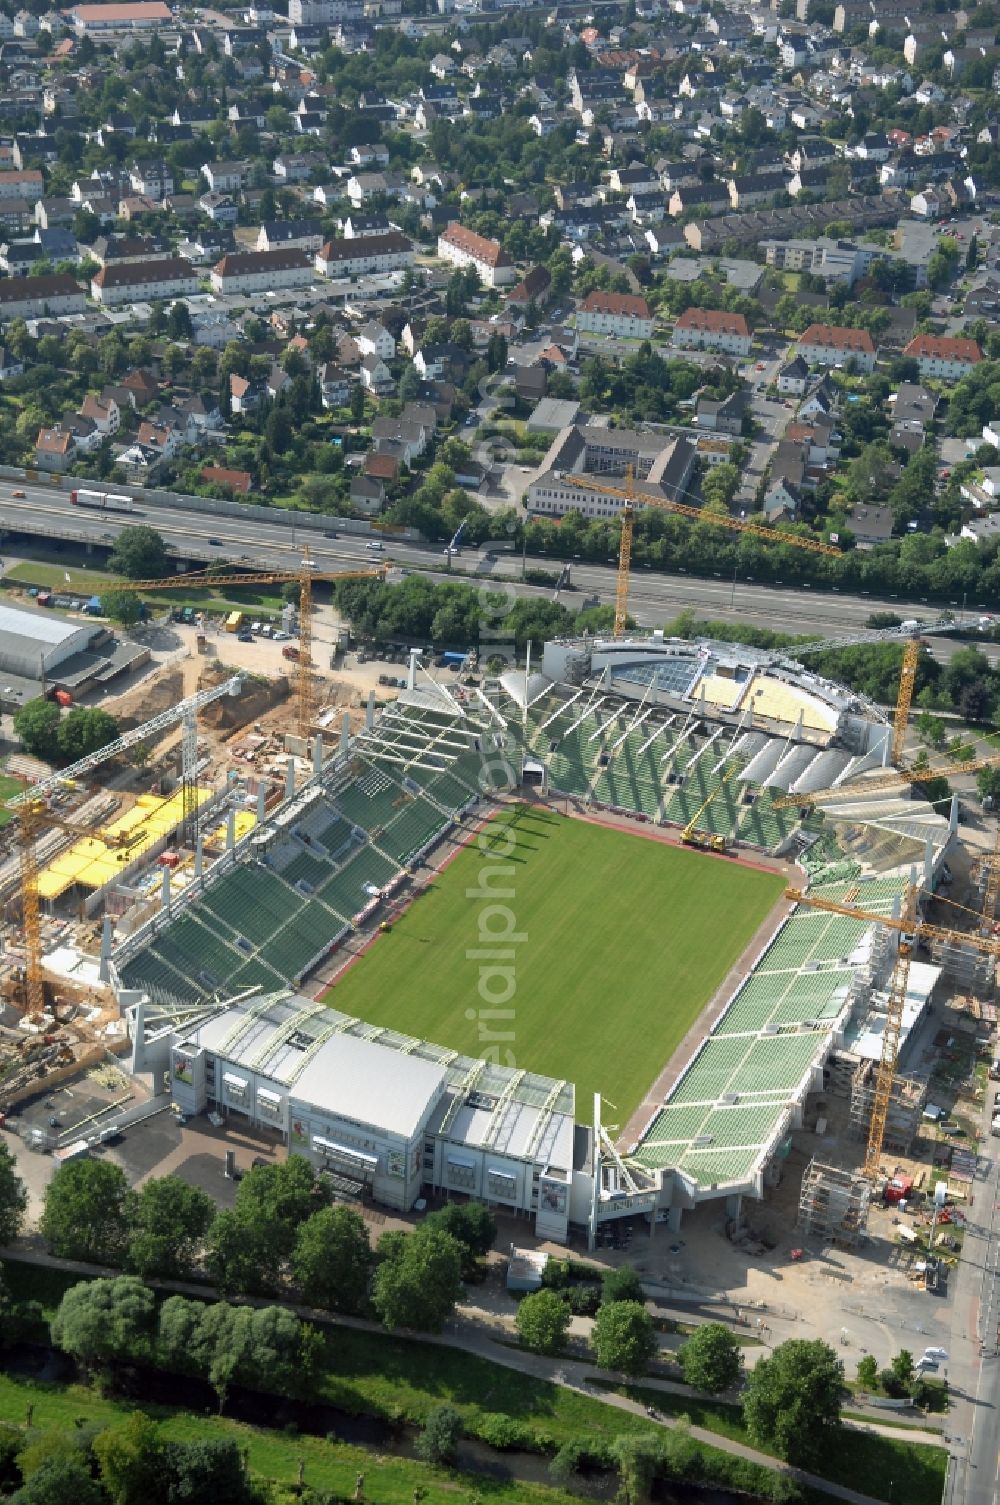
305 576
882 781
632 498
910 929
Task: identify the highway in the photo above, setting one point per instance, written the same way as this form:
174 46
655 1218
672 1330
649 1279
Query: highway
46 511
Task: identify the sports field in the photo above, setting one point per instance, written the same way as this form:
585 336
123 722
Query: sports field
620 943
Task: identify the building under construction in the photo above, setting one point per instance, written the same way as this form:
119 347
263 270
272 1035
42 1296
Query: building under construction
905 1106
833 1204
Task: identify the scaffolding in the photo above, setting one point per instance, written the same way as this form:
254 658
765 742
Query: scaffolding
833 1204
905 1105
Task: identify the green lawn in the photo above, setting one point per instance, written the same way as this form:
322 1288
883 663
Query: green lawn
87 582
8 788
623 941
274 1455
882 1467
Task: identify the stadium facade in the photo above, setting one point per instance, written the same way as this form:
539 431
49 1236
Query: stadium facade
215 985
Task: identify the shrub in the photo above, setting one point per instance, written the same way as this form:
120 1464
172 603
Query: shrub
503 1432
583 1300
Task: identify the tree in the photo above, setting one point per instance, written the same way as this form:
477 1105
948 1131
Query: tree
99 1320
60 1481
240 1258
542 1320
438 1440
13 1197
988 783
176 1335
122 606
719 485
792 1399
36 724
711 1359
139 554
84 1215
623 1338
420 1280
621 1284
179 326
168 1221
357 402
902 1366
85 730
332 1260
868 1371
210 1468
131 1458
472 1224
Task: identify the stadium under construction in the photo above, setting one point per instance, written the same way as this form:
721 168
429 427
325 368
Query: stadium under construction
220 985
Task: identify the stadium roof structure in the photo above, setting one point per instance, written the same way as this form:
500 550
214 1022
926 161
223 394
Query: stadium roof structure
736 1099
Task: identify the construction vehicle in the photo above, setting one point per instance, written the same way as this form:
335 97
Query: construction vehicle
710 841
632 497
911 931
305 576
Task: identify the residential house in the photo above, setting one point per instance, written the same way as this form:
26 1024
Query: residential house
782 500
261 271
870 525
942 356
620 314
374 339
721 416
464 248
105 415
225 177
712 329
834 345
10 366
220 208
364 255
375 375
39 297
913 402
534 288
793 378
334 386
54 449
169 277
290 234
153 179
238 482
244 395
356 226
399 436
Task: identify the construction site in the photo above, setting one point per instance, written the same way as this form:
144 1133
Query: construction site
254 827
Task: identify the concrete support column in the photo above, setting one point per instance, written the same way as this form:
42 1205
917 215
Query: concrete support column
318 753
370 710
733 1206
289 778
345 733
261 804
199 857
674 1219
411 673
105 947
928 864
230 830
953 816
165 894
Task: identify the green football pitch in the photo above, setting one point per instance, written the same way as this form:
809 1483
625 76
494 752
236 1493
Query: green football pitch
621 941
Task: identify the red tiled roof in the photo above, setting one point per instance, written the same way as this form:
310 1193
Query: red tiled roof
236 480
381 467
489 251
947 348
838 338
717 320
616 303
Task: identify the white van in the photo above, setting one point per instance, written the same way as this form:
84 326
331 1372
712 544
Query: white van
376 547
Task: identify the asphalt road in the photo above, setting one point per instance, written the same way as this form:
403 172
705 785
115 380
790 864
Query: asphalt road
46 510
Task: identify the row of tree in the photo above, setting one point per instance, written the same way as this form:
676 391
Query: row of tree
282 1234
46 733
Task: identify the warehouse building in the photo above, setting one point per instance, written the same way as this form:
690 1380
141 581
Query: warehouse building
38 648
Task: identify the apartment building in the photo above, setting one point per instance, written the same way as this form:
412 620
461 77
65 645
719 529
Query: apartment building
832 345
712 329
143 281
262 271
464 248
615 313
941 356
